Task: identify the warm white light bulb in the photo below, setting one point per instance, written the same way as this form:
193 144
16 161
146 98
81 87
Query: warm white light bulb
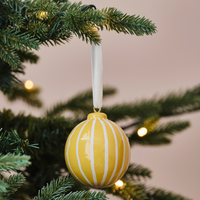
119 183
28 84
43 15
142 131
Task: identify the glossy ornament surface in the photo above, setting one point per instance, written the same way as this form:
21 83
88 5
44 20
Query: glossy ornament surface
97 151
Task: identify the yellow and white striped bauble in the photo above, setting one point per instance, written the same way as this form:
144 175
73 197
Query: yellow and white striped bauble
97 151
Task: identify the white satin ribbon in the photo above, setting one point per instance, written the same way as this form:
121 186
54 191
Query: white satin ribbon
97 75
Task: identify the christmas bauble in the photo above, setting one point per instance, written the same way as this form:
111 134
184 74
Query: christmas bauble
97 151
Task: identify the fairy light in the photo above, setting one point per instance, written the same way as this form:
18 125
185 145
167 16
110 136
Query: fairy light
28 84
142 131
43 15
119 183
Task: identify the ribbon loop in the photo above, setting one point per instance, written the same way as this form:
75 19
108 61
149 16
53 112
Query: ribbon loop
97 75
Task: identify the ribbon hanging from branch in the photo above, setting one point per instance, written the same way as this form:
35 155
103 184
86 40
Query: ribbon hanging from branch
97 75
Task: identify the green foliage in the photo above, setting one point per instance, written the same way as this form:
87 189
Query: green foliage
57 189
30 96
137 110
28 56
136 172
160 135
17 40
158 194
140 192
84 195
14 182
170 105
50 134
10 142
180 103
81 103
12 162
12 146
9 55
24 25
78 23
128 191
120 22
8 75
3 186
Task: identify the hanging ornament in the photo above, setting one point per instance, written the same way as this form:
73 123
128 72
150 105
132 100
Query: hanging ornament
97 151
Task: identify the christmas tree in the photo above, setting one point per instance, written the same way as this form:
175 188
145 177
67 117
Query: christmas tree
37 143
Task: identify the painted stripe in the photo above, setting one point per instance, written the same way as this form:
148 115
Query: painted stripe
68 151
106 152
79 163
129 147
92 152
123 149
116 151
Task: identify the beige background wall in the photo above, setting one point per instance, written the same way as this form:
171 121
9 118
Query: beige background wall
139 67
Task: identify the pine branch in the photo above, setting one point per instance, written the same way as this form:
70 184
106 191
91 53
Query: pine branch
137 110
27 56
128 191
161 135
3 186
86 195
37 29
136 172
10 142
19 41
79 23
14 40
55 188
29 96
140 192
170 128
45 131
157 194
62 19
13 184
11 13
8 76
95 196
120 22
9 55
26 25
12 162
174 104
80 103
170 105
